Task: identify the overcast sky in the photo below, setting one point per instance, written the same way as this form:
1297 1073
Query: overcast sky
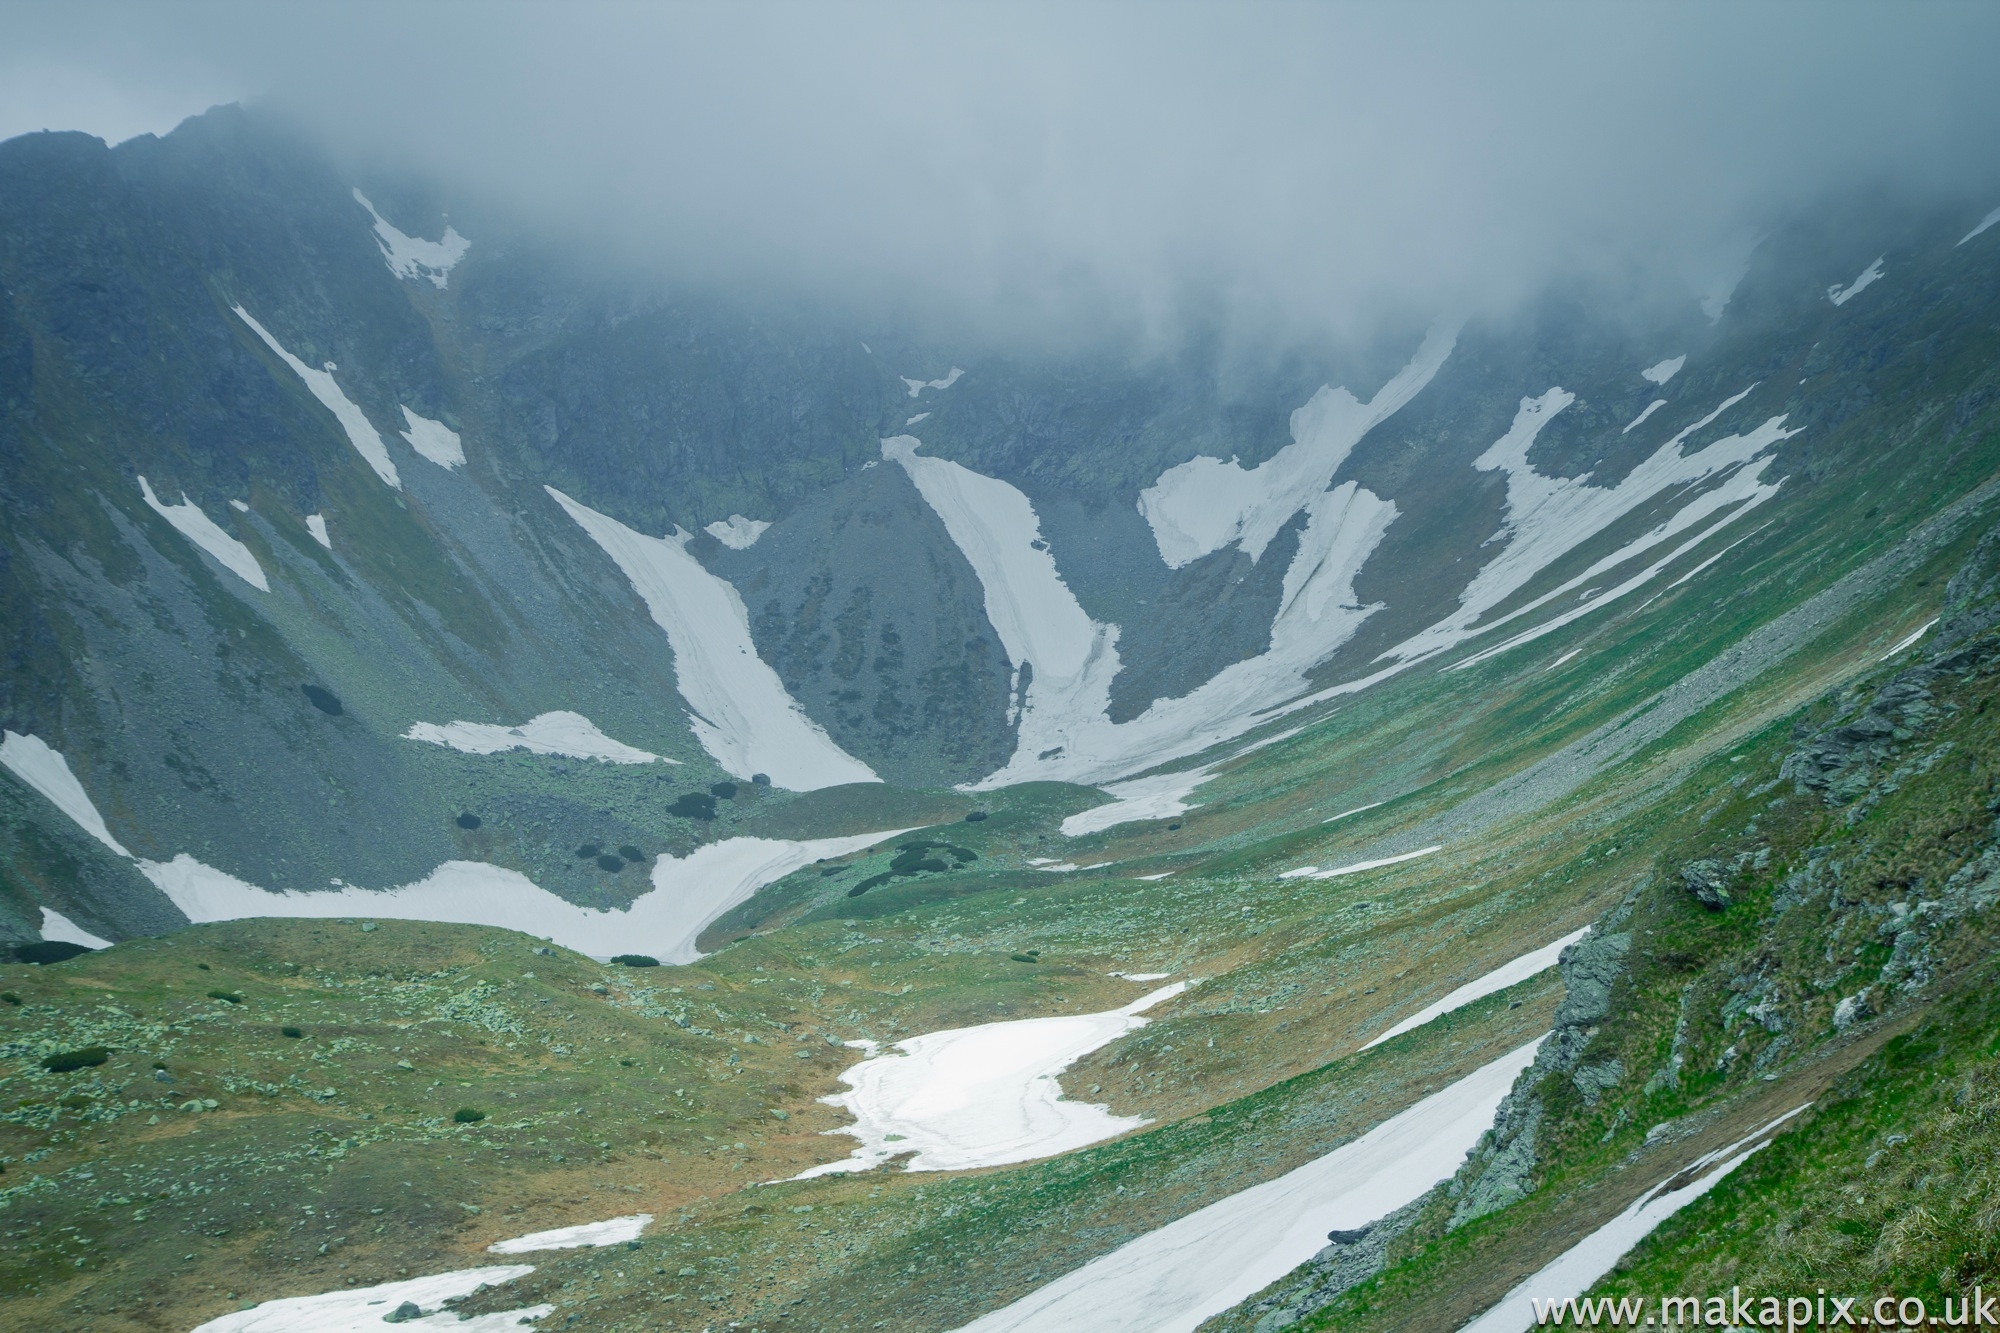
1304 164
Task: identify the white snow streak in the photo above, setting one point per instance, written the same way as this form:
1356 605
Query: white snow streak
316 525
918 386
413 257
1499 979
1160 797
1170 1280
737 532
1580 1266
1355 811
1205 504
561 732
361 432
1842 295
1663 371
189 520
1984 223
1337 872
1914 635
911 421
1071 658
1640 420
982 1096
360 1309
687 894
613 1231
739 708
56 926
433 440
30 759
1548 517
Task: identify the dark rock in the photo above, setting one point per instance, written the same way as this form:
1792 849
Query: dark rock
48 951
403 1313
1708 881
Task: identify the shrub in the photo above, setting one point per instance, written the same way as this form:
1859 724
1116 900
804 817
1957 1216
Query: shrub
9 997
975 817
1024 958
62 1062
324 700
291 1032
229 995
588 850
610 864
631 853
468 820
761 779
724 790
693 805
47 951
873 881
466 1115
635 960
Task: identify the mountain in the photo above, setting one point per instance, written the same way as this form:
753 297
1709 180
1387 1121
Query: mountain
406 613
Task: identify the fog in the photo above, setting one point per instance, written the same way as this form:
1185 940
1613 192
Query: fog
1036 168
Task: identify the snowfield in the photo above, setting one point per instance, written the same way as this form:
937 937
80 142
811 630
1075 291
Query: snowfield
569 734
982 1096
361 432
1205 504
1170 1280
1840 295
361 1309
687 894
916 387
433 440
1640 420
189 520
56 926
1159 797
612 1231
1578 1268
412 257
1499 979
737 532
30 759
1663 371
740 710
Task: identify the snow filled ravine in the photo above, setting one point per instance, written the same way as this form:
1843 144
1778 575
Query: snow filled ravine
1170 1280
741 712
982 1096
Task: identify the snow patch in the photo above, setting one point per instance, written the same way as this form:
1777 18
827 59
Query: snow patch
433 440
30 759
1205 504
614 1231
361 432
688 894
1662 371
1499 979
1984 223
1143 976
316 525
737 532
1338 872
413 257
570 734
1560 660
918 386
911 421
1355 811
56 926
358 1309
1840 295
1170 1280
1640 420
981 1096
1914 635
739 709
1578 1268
238 506
1160 797
189 520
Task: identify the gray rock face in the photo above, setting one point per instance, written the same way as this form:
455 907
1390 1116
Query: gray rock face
1707 880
